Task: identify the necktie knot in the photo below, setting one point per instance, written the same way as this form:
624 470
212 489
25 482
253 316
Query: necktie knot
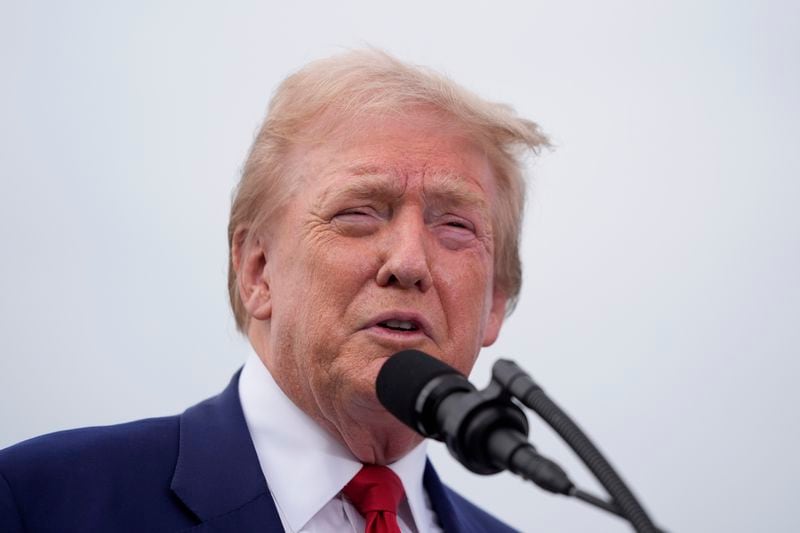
376 491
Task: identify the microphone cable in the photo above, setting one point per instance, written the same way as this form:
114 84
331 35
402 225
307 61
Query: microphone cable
519 384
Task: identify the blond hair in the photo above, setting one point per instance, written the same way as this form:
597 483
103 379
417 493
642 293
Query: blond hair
368 82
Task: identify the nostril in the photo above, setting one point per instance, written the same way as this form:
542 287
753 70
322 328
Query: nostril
423 284
404 276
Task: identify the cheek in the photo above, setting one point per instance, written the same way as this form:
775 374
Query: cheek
344 263
465 291
324 264
466 278
323 280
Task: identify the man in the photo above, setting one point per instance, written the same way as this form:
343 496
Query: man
379 209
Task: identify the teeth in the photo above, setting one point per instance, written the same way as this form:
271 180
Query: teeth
400 324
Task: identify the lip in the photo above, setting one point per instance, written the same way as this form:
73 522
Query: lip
408 316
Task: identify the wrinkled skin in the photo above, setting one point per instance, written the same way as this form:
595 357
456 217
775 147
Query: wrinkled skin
390 220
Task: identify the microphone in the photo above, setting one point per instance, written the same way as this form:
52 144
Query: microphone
484 430
487 432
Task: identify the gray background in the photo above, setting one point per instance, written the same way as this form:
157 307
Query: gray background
661 249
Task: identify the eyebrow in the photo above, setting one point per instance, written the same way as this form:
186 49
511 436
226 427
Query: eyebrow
364 185
450 189
375 182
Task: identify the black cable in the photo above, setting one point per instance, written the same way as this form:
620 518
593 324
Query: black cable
611 507
596 501
520 385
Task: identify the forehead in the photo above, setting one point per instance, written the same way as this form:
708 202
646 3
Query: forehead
384 156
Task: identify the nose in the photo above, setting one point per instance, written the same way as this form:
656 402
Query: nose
406 257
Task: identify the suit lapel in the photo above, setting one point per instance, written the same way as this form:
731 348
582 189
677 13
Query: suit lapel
446 509
217 475
256 515
219 479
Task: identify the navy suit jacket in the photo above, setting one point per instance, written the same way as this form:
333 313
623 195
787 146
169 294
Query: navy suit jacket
195 472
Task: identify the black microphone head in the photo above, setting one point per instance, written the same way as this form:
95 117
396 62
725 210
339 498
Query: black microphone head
402 378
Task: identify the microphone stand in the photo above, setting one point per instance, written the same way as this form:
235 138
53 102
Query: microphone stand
509 379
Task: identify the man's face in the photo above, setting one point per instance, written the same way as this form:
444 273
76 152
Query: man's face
387 245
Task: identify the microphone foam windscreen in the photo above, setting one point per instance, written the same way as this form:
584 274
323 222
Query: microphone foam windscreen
402 378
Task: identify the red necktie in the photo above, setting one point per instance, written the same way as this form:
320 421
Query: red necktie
376 492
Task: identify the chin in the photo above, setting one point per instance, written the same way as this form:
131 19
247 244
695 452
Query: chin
372 434
384 446
377 437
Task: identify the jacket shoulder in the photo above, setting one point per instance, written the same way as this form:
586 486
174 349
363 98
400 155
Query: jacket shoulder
57 477
93 448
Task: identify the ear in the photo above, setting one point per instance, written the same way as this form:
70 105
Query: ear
249 256
497 314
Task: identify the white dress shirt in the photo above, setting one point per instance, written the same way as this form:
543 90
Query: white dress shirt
306 467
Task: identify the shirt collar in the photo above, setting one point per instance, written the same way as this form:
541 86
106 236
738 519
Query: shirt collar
294 451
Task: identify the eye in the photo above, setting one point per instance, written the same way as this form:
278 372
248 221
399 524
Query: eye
355 213
357 221
455 232
458 223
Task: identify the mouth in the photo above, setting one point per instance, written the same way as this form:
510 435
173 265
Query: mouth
398 324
